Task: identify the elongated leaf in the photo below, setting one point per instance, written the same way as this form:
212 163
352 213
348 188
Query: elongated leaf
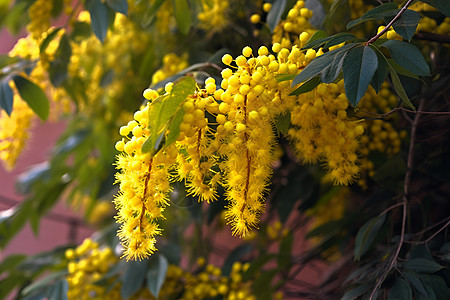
58 66
275 13
435 286
101 17
356 292
11 261
359 67
366 235
234 256
442 5
133 278
307 86
399 88
415 282
376 13
6 97
121 6
174 127
318 35
162 112
285 252
423 265
182 15
406 24
317 65
262 287
332 71
44 282
150 14
257 264
408 56
282 122
339 38
284 77
33 96
156 274
381 72
48 39
58 290
7 60
400 291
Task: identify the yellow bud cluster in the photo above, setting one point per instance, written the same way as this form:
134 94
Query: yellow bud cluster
87 264
323 132
172 64
39 13
390 34
213 16
276 232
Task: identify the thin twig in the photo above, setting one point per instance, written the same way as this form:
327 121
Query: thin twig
406 185
431 237
376 37
390 208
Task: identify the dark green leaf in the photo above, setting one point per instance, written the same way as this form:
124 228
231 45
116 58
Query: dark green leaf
182 15
33 95
376 13
339 38
6 97
406 24
400 291
107 78
381 72
9 283
261 287
285 252
318 35
101 17
234 256
415 282
256 265
80 31
58 66
275 13
150 14
442 5
307 86
156 274
399 88
283 121
171 252
43 283
121 6
356 292
332 71
435 286
422 265
430 293
58 290
359 67
316 66
7 60
133 278
48 39
366 235
408 56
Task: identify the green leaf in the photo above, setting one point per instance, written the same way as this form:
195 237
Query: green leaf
133 278
317 65
359 67
182 15
48 39
285 77
156 274
261 287
376 13
7 60
162 112
442 5
366 235
381 72
235 255
6 97
332 71
58 66
356 292
120 6
285 252
101 17
330 41
174 127
400 291
408 56
318 35
437 285
307 86
422 265
399 88
11 261
80 31
150 14
256 265
59 290
43 283
415 282
406 24
9 283
275 13
283 121
33 96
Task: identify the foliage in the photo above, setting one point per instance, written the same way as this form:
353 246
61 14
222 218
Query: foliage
266 118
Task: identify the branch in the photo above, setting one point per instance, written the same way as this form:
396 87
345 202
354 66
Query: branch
432 37
373 39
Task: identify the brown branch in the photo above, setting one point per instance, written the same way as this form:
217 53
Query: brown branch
432 37
432 236
406 186
376 37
